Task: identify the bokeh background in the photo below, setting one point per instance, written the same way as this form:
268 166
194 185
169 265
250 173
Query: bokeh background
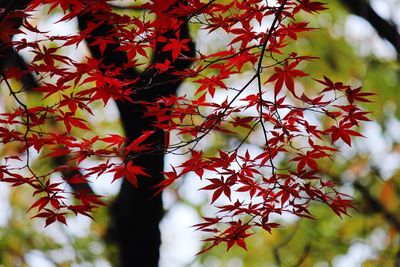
354 48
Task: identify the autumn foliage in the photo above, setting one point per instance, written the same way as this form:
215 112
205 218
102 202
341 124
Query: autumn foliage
249 89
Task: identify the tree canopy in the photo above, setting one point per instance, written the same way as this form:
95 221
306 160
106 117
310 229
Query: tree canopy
261 113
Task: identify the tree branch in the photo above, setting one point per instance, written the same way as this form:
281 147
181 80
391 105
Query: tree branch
376 205
11 58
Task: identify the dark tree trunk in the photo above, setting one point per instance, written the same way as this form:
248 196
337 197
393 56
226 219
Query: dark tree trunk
136 212
8 56
386 29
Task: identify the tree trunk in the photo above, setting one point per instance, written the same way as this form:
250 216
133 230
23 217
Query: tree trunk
136 212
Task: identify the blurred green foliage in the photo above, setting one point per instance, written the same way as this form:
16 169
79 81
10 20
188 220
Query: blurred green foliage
320 242
373 226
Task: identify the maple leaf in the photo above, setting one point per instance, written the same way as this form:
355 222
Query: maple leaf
137 144
240 59
330 85
171 177
51 216
236 234
343 132
243 122
139 62
69 121
286 76
312 6
356 95
114 140
162 67
219 186
176 46
308 159
130 171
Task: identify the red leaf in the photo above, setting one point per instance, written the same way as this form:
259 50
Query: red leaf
132 171
137 144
